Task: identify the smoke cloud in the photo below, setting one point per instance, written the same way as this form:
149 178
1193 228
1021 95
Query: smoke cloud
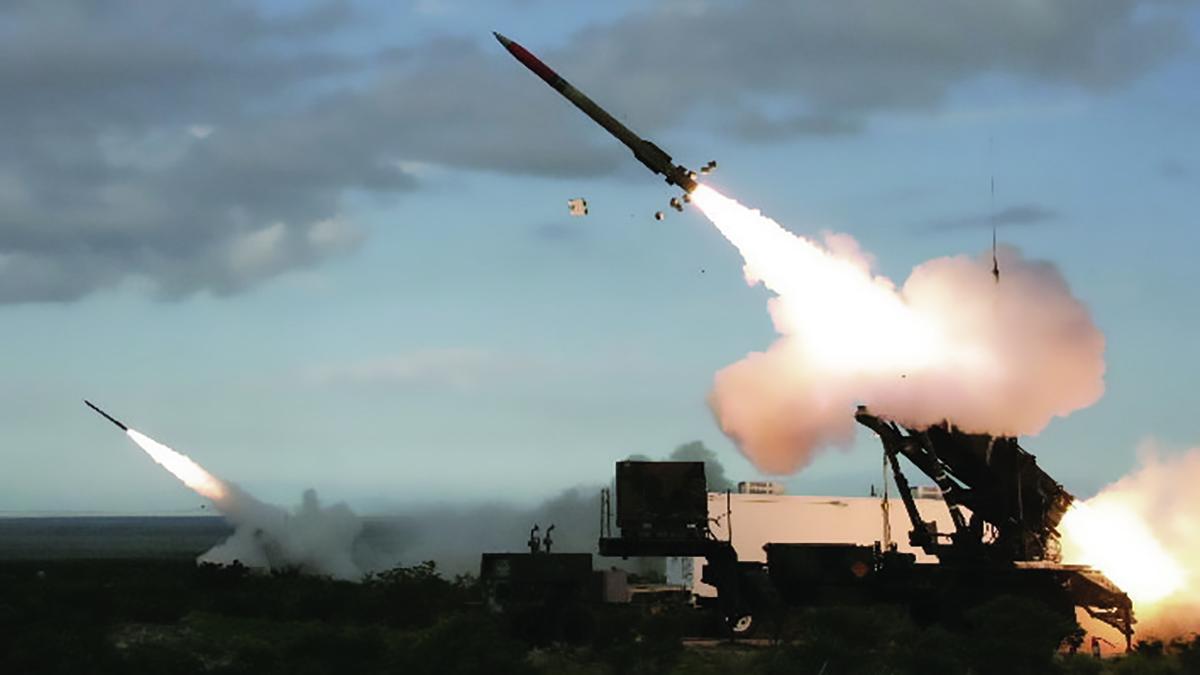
714 471
311 538
333 541
696 451
953 343
454 535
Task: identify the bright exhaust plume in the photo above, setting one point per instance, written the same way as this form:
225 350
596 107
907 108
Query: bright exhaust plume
1143 532
951 344
182 467
1111 537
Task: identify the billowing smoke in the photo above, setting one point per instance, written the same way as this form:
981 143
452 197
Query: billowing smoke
333 541
311 538
453 535
696 451
953 343
1143 533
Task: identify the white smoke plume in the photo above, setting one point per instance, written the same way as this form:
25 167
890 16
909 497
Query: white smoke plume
311 538
951 344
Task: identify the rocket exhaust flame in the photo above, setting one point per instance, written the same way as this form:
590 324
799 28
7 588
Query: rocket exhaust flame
179 465
182 467
1143 532
950 344
837 290
1113 539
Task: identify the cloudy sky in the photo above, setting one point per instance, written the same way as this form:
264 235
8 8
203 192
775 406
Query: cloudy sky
327 243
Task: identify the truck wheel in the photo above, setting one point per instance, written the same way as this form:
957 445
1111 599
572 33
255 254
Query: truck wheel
742 626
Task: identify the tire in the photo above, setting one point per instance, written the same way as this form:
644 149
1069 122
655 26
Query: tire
742 625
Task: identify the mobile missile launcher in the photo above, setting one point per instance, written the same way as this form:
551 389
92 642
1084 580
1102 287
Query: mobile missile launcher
1004 507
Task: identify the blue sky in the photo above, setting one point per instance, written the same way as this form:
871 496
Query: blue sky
328 245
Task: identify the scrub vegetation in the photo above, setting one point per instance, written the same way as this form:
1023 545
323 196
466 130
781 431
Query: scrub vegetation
162 616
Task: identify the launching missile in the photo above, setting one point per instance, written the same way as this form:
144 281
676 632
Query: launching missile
108 417
646 152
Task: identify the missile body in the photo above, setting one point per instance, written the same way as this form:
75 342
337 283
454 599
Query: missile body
646 152
108 417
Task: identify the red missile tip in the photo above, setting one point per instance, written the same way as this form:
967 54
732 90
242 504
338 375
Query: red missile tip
530 61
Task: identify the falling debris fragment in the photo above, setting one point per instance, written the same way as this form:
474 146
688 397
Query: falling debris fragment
676 204
709 168
577 206
659 215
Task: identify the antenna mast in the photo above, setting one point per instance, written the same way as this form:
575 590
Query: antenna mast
992 214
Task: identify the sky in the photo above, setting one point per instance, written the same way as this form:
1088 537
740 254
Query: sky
327 244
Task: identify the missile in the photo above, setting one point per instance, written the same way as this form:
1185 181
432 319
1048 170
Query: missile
108 417
646 152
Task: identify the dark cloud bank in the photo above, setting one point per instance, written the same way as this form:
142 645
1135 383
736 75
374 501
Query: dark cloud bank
1016 215
208 146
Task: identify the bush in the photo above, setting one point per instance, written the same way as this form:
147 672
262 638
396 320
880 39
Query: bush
464 644
852 640
1015 635
413 597
158 658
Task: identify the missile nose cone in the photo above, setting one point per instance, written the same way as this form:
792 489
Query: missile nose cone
503 40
